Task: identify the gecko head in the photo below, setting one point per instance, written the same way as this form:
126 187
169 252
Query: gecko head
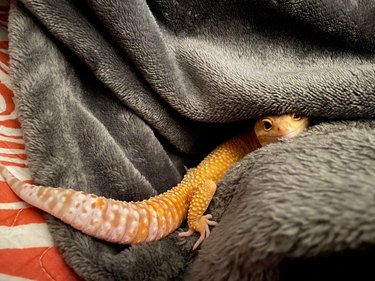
272 128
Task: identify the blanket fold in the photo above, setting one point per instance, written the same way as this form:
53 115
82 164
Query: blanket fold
118 98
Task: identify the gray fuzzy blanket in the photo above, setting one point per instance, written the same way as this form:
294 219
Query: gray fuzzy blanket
118 97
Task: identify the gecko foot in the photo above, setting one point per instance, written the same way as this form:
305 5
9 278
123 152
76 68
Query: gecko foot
202 226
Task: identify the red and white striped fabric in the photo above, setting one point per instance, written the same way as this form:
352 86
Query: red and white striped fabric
26 247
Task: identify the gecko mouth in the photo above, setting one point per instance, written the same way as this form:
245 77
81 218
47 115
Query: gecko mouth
287 136
291 134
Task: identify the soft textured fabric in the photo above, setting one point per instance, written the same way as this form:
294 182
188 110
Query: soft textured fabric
118 97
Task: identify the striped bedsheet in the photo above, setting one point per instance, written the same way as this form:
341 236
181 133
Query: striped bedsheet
26 247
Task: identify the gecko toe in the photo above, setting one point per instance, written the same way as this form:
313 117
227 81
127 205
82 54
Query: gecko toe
212 223
207 232
199 241
208 221
186 233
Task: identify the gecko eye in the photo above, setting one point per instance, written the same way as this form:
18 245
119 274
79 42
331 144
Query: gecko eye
267 124
296 116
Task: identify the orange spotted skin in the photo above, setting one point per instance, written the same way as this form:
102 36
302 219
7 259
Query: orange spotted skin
154 218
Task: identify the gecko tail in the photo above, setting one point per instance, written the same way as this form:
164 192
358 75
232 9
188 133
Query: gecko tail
85 212
107 219
15 184
44 198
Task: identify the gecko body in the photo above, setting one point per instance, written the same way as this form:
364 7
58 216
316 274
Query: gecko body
154 218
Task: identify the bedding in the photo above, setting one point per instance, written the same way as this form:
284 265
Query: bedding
27 251
118 98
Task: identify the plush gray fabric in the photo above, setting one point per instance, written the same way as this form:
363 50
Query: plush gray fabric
118 97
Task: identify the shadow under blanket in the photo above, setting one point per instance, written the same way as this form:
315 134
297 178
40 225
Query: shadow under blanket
118 97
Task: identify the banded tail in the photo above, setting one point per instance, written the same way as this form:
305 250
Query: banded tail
106 219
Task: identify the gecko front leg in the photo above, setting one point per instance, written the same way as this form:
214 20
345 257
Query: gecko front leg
196 220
